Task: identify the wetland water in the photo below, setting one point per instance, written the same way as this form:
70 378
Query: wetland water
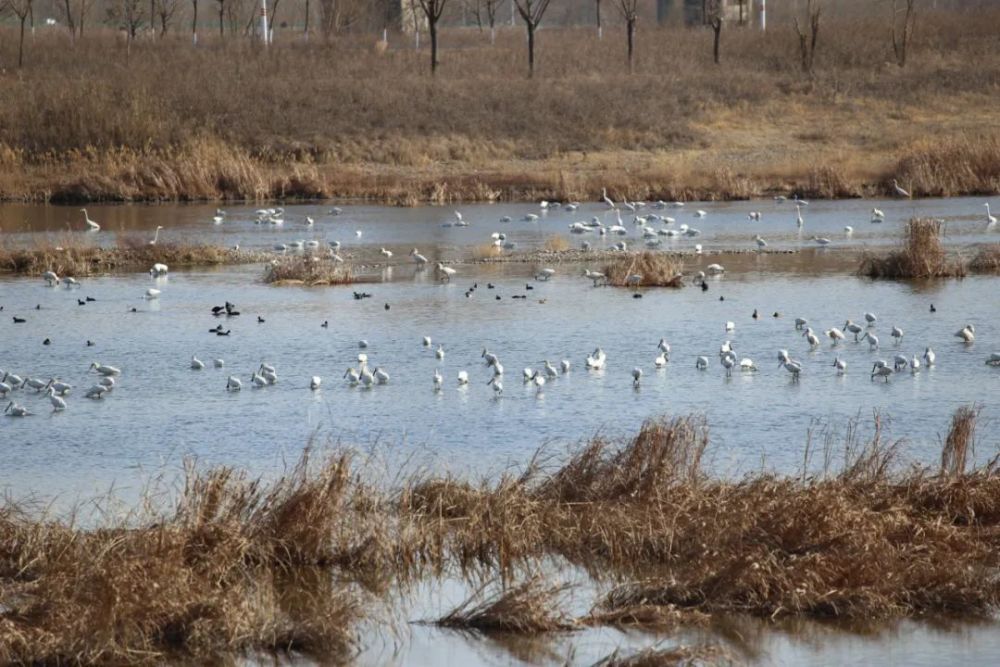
162 411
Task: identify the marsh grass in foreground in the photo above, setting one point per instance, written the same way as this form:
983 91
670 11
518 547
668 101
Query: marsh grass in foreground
69 256
239 567
922 255
645 269
987 260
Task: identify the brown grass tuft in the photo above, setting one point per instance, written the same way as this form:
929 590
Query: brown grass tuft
527 608
987 260
675 656
655 270
959 442
922 256
556 244
308 269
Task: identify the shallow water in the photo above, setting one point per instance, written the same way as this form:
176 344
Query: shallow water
725 227
162 411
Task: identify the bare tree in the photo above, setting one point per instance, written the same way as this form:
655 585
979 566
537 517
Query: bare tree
475 7
165 12
194 22
67 8
222 14
270 20
715 17
900 42
22 10
335 15
809 35
305 26
600 30
75 15
531 12
433 9
630 12
491 7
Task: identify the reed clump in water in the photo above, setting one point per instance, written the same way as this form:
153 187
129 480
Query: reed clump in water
556 244
987 260
674 656
72 257
527 608
237 567
865 542
308 269
645 269
921 256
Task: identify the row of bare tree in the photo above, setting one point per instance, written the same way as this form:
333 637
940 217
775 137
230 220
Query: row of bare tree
238 16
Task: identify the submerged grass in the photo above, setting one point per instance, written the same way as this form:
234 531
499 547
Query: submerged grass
674 656
921 256
531 607
645 269
69 256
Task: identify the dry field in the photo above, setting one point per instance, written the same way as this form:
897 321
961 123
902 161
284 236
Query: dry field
342 118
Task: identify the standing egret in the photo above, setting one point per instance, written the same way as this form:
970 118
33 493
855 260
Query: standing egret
315 382
871 319
196 363
793 367
156 236
550 370
840 365
872 340
990 219
798 215
353 377
439 353
761 243
811 338
497 386
438 380
104 370
728 361
50 278
233 383
929 356
386 253
61 388
564 366
91 225
899 361
966 333
446 271
258 380
96 392
853 328
834 334
380 376
897 333
900 192
606 199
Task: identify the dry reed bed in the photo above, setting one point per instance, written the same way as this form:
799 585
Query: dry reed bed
654 269
674 656
865 542
70 257
238 566
309 270
987 260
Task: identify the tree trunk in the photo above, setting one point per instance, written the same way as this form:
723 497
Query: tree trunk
20 44
305 29
222 23
194 22
531 49
599 29
432 25
717 28
69 20
630 27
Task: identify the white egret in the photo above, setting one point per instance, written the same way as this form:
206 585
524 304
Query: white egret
91 225
5 389
16 410
439 353
70 282
853 328
990 219
51 278
811 337
61 388
966 333
761 243
315 382
497 386
900 192
258 380
793 367
798 215
840 365
822 242
596 360
159 269
564 366
899 361
463 378
386 253
196 363
152 293
156 236
233 383
636 376
34 383
701 363
871 319
380 376
353 376
929 356
897 333
104 370
438 379
664 347
872 340
877 215
834 334
96 392
660 361
528 374
728 361
14 381
550 370
367 378
606 199
446 271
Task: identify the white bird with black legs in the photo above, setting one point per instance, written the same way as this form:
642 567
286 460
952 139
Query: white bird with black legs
463 378
840 365
50 278
446 272
196 363
550 370
851 327
14 381
497 386
156 235
159 269
811 338
793 367
104 370
233 383
636 376
900 361
798 215
91 225
258 380
882 372
315 382
353 376
872 340
381 377
438 380
96 392
871 319
966 333
701 363
761 243
834 334
16 410
728 362
606 199
367 378
897 333
439 353
58 404
929 356
61 388
990 219
33 383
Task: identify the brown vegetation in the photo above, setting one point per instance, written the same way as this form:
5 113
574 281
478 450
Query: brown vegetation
655 269
86 120
674 656
922 256
987 260
308 269
239 566
69 256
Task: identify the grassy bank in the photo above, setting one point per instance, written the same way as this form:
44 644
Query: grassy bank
72 257
922 255
170 122
237 566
